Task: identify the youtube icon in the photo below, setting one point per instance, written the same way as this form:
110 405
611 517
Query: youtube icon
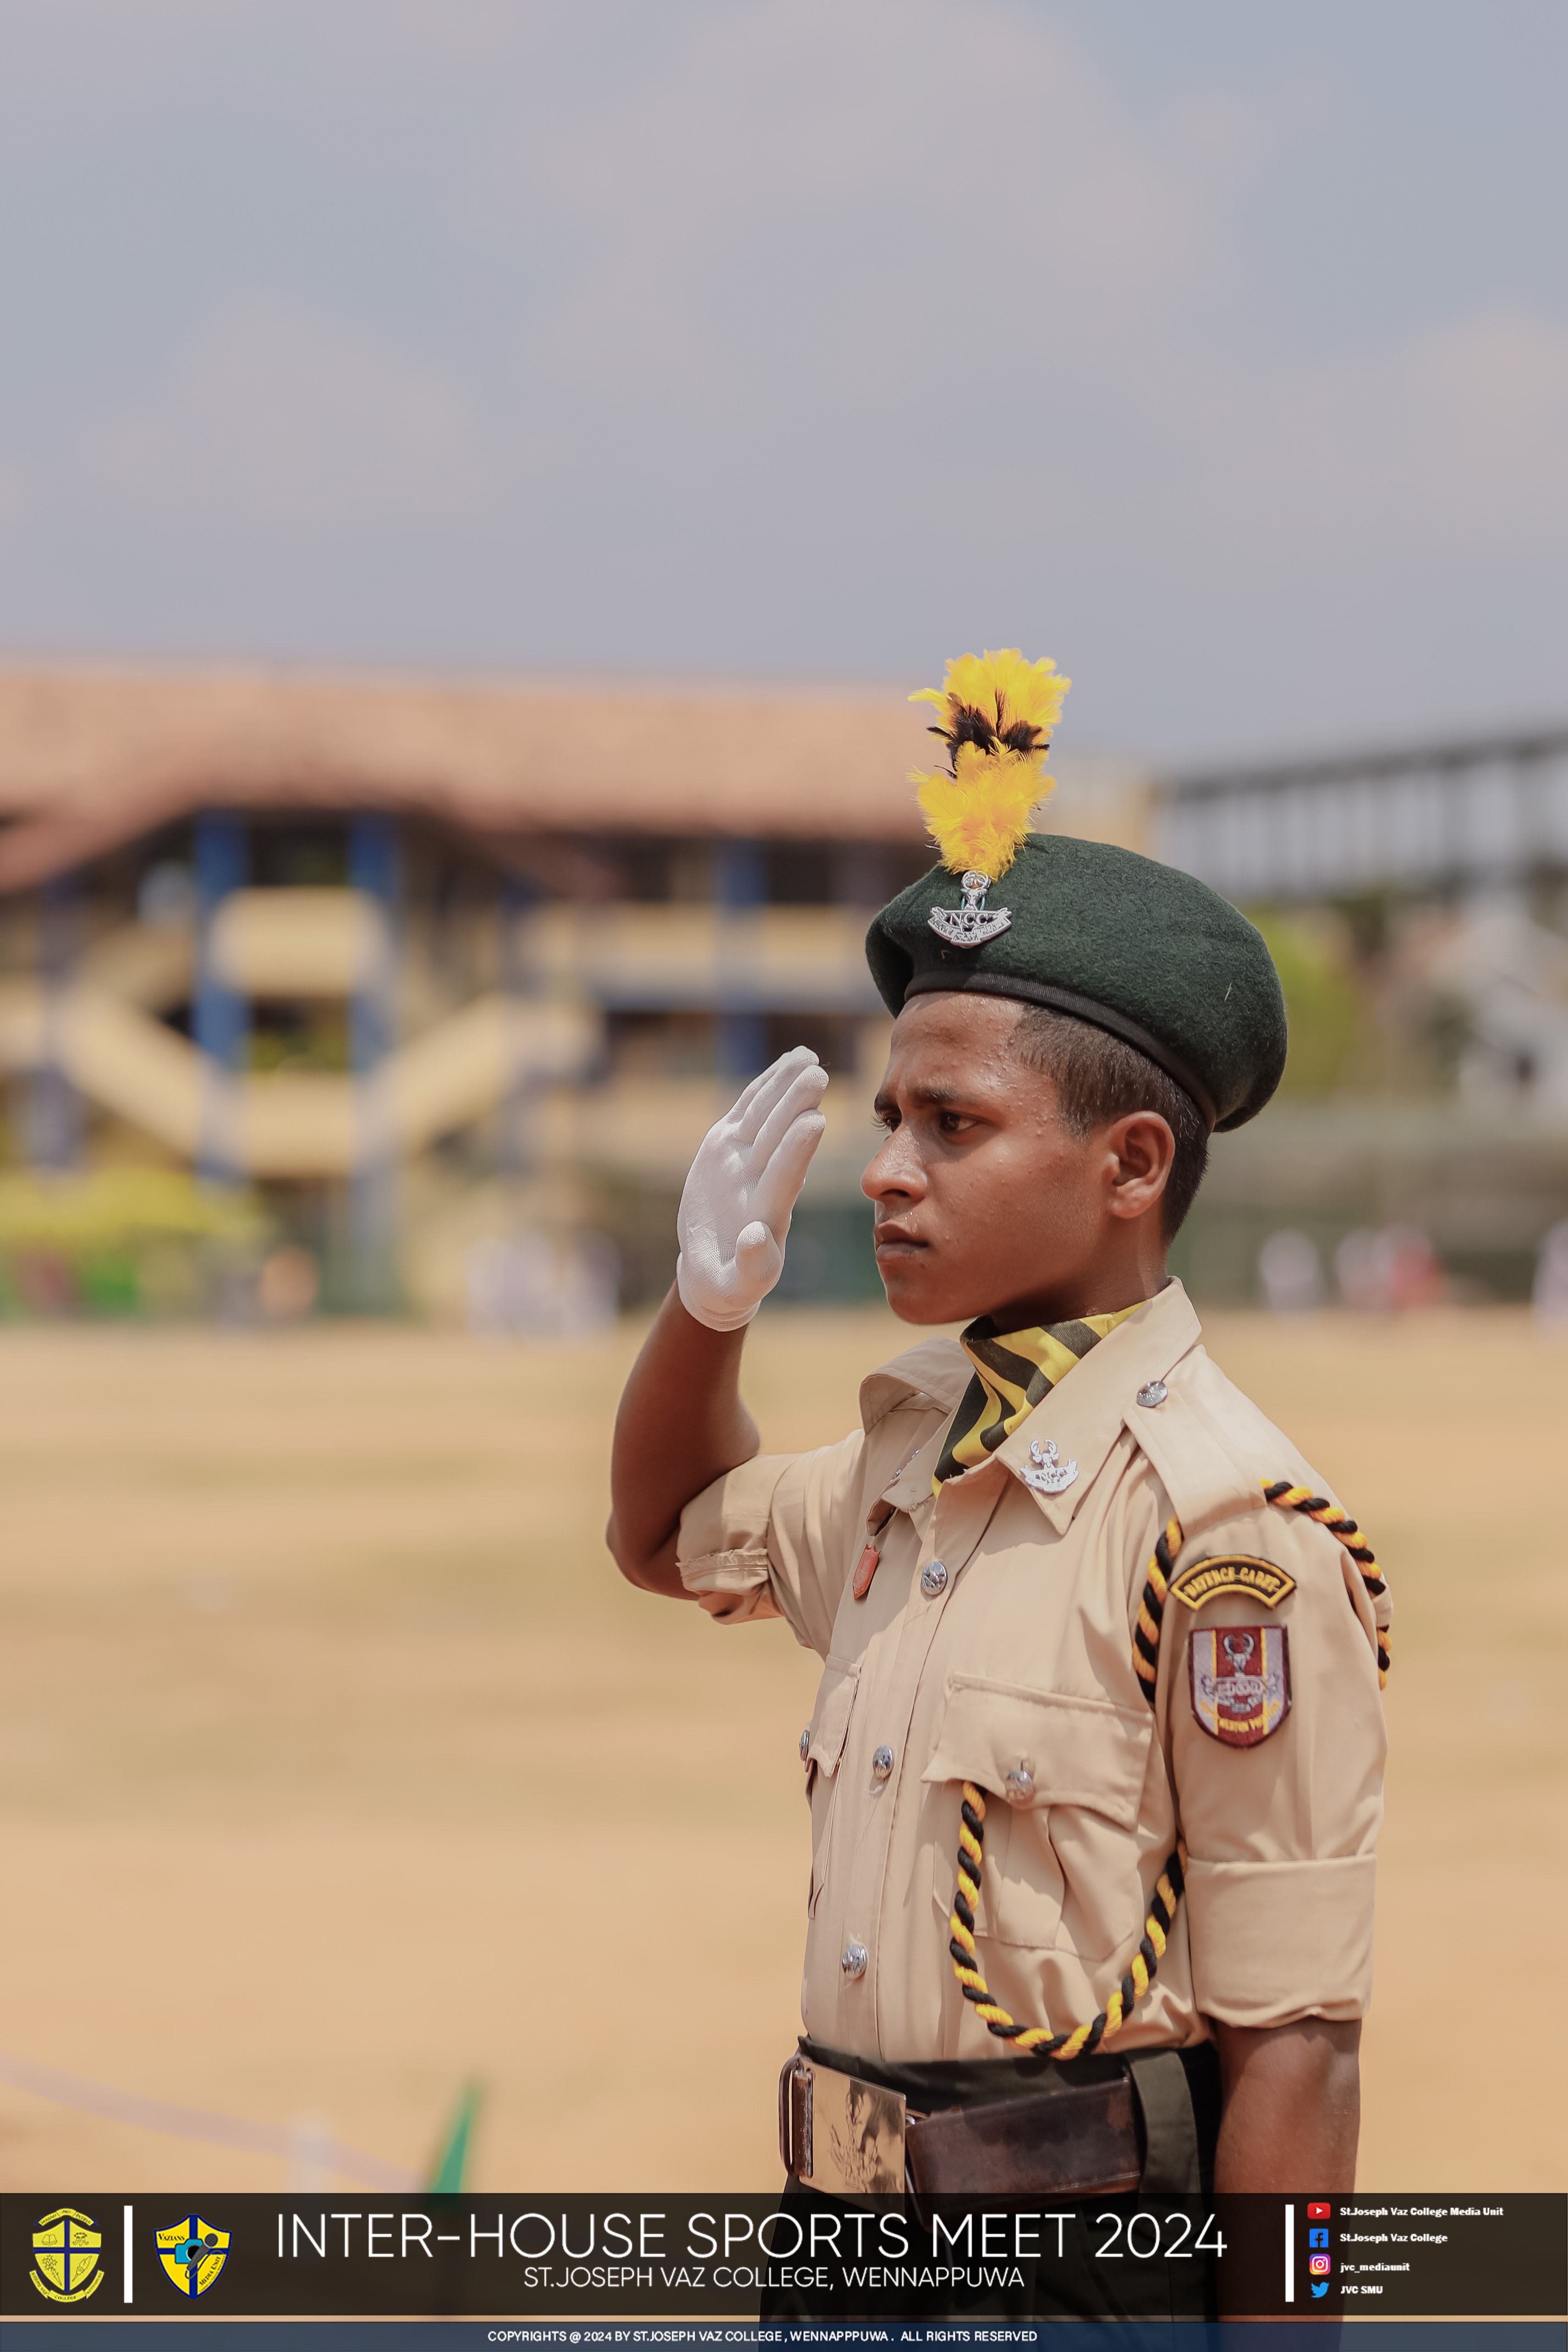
1318 2213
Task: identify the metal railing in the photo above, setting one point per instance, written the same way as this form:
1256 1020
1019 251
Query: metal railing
1445 816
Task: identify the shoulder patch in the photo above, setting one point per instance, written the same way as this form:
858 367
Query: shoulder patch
1240 1682
1232 1571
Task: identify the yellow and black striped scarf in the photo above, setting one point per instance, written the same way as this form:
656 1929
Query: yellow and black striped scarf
1013 1372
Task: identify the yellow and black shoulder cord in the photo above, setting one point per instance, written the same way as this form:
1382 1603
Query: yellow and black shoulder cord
1080 2041
1338 1523
1151 1608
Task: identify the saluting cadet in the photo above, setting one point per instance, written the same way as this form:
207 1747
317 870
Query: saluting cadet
1096 1765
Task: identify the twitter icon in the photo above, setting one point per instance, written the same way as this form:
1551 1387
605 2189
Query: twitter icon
1320 2286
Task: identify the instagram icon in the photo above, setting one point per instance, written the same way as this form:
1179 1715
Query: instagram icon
1319 2265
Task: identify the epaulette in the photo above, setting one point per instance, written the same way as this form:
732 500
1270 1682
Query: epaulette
1209 1482
1204 1479
934 1374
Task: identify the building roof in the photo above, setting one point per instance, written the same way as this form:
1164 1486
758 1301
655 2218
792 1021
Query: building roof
92 757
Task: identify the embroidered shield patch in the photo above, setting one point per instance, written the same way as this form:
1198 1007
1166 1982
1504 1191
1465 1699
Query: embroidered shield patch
1241 1681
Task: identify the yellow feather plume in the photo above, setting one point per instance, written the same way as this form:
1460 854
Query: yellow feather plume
998 711
979 817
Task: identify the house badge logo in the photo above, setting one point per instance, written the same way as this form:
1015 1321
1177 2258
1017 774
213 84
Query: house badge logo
65 2247
193 2253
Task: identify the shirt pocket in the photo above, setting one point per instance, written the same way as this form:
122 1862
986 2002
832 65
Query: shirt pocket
826 1734
1063 1779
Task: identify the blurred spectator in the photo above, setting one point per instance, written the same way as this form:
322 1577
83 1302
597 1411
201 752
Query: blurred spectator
1290 1273
1379 1273
528 1288
45 1282
289 1285
1552 1280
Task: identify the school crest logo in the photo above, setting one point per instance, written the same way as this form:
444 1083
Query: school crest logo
65 2247
193 2253
1241 1681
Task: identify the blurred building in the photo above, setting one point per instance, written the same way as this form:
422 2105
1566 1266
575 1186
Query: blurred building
1416 898
1448 818
386 991
449 977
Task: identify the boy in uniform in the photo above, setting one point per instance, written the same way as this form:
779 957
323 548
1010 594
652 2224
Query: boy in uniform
1095 1768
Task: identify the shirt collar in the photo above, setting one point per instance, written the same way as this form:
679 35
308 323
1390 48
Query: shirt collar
1084 1417
1013 1373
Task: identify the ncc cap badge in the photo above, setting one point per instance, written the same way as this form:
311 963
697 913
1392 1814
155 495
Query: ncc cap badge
971 925
65 2247
193 2253
1240 1681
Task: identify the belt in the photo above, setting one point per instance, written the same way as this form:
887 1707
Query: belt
852 2138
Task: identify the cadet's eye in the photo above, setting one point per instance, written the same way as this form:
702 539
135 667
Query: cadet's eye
884 1120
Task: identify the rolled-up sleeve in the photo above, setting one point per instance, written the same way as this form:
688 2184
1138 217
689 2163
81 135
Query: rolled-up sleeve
777 1538
1278 1836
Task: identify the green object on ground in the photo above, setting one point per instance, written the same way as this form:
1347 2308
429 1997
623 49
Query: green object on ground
452 2162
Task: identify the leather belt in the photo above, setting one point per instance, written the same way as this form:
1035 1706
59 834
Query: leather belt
853 2138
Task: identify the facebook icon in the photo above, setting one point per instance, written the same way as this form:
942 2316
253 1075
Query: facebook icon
1317 2237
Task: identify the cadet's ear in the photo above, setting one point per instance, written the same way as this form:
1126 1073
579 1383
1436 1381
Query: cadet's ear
1140 1148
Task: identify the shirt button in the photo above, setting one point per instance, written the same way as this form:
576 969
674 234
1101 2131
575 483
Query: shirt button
1020 1785
805 1743
852 1961
1153 1392
881 1763
933 1579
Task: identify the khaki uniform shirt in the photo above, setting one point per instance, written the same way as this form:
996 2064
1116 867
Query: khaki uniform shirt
1022 1663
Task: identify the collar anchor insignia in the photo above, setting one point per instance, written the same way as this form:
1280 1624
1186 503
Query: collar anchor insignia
1046 1471
971 925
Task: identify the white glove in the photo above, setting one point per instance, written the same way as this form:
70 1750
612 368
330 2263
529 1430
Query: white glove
741 1192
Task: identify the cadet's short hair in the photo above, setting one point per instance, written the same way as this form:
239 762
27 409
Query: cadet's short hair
1098 1077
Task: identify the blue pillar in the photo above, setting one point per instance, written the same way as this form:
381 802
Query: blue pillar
517 1150
54 1105
740 887
220 1015
375 866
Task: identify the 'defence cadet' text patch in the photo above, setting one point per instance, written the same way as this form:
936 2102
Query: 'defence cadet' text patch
1234 1572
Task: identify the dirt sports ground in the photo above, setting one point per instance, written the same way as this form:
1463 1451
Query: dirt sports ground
339 1766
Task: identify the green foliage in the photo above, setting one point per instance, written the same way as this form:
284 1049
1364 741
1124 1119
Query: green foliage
1313 956
99 1212
120 1241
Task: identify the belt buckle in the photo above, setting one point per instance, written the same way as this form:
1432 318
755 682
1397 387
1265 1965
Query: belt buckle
839 2134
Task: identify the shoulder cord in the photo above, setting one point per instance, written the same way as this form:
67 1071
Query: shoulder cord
1082 2040
1338 1523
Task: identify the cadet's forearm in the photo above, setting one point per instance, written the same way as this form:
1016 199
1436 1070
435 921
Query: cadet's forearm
1292 2107
680 1425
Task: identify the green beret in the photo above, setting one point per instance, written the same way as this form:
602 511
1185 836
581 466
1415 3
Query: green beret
1136 948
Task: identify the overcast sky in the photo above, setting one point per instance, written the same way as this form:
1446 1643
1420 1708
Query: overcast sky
1220 350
